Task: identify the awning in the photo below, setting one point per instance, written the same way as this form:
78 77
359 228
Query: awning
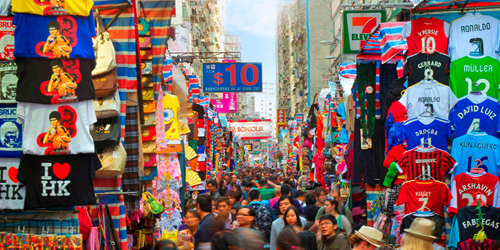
435 4
385 44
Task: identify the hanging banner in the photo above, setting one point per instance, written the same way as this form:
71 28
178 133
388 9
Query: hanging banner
232 77
248 130
182 41
228 103
359 25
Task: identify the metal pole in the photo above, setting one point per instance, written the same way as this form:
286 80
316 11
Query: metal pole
235 153
182 161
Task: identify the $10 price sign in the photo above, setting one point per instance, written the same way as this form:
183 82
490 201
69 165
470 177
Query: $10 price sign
232 77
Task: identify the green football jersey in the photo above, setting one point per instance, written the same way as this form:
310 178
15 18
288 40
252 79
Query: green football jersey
466 71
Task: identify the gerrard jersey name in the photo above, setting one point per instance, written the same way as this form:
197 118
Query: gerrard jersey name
428 64
474 109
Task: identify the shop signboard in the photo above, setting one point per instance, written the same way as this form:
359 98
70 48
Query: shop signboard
359 25
232 77
281 116
248 130
281 127
228 103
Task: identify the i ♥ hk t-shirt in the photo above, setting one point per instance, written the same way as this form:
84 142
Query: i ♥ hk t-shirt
57 129
58 181
13 191
54 36
50 81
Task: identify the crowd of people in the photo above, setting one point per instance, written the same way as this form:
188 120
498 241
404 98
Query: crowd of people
261 209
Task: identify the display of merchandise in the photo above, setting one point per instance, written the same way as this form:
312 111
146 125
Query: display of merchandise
11 132
431 96
473 112
471 244
427 66
474 35
12 192
424 195
475 74
465 223
438 219
426 35
476 150
40 7
420 160
426 130
465 188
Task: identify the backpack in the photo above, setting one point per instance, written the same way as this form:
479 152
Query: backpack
264 221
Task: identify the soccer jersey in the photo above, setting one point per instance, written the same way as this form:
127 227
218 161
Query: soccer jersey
476 150
434 131
466 71
53 7
465 222
414 161
426 35
428 95
424 195
465 187
471 244
474 35
472 109
438 219
416 66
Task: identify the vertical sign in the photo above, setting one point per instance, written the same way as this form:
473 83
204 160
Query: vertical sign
359 25
281 116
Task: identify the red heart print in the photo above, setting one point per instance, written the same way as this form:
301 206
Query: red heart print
13 174
61 171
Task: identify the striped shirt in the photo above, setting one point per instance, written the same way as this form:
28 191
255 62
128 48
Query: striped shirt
413 161
470 244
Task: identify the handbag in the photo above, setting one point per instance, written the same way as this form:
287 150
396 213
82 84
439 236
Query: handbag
151 202
105 84
144 27
84 221
107 106
104 49
106 132
113 161
145 42
93 241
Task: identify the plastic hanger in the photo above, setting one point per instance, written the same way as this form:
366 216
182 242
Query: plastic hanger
480 236
476 90
427 112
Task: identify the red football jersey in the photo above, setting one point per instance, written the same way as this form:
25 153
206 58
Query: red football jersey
439 161
465 186
426 35
424 195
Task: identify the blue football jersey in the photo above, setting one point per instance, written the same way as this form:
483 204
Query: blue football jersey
435 130
475 109
476 150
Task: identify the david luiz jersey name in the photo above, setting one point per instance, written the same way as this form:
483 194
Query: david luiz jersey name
475 109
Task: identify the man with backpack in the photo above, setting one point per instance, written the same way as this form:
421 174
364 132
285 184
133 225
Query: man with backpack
264 215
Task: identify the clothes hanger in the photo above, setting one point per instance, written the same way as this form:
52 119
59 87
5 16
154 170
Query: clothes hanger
428 112
476 90
425 176
480 236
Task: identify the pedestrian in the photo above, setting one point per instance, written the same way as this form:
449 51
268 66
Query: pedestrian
343 209
266 191
284 203
330 237
224 218
311 209
307 240
249 235
287 239
286 190
367 238
292 217
277 195
264 215
212 189
301 196
185 240
165 245
222 187
331 207
225 240
207 227
420 235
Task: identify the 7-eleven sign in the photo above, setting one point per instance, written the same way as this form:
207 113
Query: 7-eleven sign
359 25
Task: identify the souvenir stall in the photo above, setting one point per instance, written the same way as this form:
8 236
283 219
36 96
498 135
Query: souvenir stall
81 179
440 151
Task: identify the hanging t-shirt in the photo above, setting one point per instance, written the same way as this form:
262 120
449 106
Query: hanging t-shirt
53 7
465 222
471 244
438 219
426 35
8 81
58 181
465 186
11 132
416 67
434 131
476 150
472 110
424 195
428 95
6 38
414 161
12 192
474 35
466 71
57 129
55 81
170 109
54 36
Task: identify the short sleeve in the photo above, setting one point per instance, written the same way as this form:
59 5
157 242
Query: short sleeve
321 211
403 196
20 112
451 41
92 24
446 27
452 99
406 31
453 203
91 117
22 172
404 101
403 162
448 163
446 195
